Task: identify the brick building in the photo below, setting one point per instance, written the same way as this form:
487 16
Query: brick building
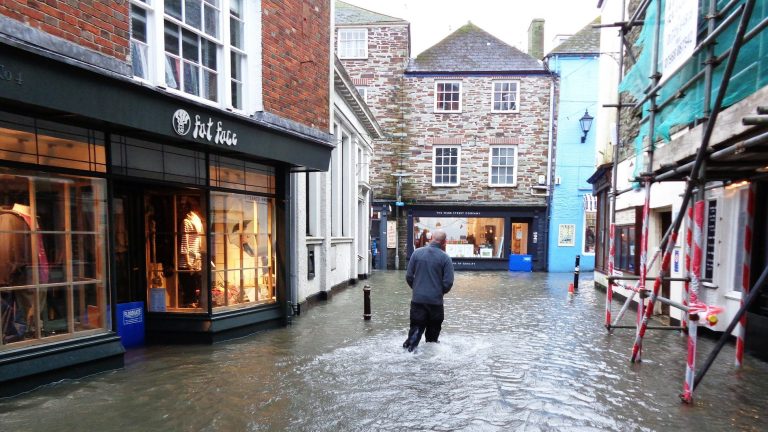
469 140
145 159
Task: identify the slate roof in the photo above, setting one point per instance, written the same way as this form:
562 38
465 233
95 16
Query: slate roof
472 49
349 14
585 41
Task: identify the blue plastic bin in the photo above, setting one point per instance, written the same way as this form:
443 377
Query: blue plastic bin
130 323
520 263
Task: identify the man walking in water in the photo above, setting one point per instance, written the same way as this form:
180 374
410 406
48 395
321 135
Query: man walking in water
430 276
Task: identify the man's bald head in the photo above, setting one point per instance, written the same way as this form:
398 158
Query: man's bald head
438 236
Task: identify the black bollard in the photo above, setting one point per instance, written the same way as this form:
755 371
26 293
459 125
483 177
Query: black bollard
576 274
367 302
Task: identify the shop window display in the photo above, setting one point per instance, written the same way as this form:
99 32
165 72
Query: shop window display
175 251
466 237
243 250
52 257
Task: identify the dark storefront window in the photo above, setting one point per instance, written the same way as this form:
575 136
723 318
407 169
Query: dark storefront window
245 176
41 142
603 232
144 159
467 237
53 262
626 249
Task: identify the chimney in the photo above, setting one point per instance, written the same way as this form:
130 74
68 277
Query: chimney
536 39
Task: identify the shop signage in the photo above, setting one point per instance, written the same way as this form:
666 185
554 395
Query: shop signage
457 213
391 234
10 75
680 26
202 129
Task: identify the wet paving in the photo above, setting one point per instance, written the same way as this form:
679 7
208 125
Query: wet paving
515 354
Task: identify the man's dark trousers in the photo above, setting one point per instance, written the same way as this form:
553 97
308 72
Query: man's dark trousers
426 319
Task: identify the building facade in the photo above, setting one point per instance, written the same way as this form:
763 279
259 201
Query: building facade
663 148
470 121
145 155
573 216
334 208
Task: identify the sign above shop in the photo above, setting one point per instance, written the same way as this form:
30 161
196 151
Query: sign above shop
202 129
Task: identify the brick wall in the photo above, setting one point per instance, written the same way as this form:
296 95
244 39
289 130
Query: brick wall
296 60
382 74
474 128
99 25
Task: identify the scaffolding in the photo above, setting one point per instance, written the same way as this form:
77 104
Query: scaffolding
690 95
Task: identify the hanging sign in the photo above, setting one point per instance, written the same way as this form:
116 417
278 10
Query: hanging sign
680 19
391 234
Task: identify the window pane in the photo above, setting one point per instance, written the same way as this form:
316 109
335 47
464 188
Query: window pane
139 59
209 49
191 79
173 8
211 21
193 13
171 38
210 91
190 46
172 78
138 24
236 32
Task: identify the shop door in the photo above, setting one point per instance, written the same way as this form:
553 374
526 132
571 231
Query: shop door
519 237
129 252
666 221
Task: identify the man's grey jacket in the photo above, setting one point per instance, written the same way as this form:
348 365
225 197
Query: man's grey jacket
429 274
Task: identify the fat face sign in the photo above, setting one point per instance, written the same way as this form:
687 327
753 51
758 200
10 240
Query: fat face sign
202 129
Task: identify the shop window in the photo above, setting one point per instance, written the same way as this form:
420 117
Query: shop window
626 249
53 263
241 175
465 237
602 230
41 142
590 219
196 55
243 249
519 238
138 158
175 227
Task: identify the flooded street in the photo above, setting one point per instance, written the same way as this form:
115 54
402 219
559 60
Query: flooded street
515 354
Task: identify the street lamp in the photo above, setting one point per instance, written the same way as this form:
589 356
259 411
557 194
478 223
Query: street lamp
586 123
398 204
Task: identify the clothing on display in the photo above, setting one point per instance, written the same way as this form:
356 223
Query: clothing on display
191 242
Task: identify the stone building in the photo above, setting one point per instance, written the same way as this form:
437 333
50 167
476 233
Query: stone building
469 140
146 152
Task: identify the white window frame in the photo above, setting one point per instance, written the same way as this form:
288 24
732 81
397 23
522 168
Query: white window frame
494 92
250 78
344 51
363 91
491 165
584 234
439 109
434 165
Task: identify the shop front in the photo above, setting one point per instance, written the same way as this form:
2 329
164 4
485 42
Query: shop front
113 193
487 238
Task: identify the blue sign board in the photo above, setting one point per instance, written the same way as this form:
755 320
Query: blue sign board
399 203
130 323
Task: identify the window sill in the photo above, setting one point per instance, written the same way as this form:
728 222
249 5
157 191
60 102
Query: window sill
446 185
502 185
447 112
314 240
342 240
505 112
733 295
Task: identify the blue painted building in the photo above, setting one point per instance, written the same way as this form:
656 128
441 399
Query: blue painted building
573 212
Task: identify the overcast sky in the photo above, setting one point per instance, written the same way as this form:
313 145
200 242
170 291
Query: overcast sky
508 20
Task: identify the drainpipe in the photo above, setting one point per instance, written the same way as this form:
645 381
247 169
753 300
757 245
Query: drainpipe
551 128
293 247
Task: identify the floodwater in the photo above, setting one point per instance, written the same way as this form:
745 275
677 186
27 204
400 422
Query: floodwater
515 354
